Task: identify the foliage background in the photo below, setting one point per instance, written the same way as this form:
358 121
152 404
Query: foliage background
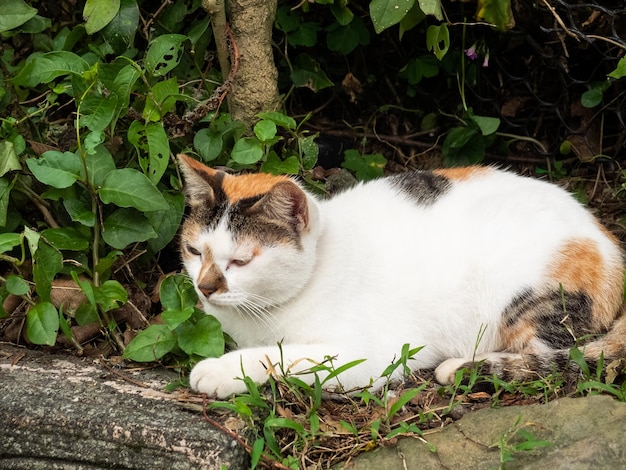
97 97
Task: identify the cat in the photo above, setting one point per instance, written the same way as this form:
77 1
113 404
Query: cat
475 264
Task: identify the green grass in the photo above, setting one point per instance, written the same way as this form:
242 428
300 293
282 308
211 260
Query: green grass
295 425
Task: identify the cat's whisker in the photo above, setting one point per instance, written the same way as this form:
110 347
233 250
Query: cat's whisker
259 311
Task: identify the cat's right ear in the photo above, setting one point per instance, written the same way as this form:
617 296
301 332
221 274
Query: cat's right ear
199 180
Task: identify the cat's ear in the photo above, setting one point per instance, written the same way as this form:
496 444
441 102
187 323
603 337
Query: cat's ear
286 201
199 180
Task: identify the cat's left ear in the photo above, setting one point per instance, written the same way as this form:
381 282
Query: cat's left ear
286 201
197 180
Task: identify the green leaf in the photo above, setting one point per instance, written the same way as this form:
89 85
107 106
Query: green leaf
265 130
5 192
99 165
66 238
8 158
342 13
592 97
97 111
99 13
110 295
173 318
158 151
127 187
256 452
126 226
438 40
123 84
14 13
463 146
487 125
431 7
86 314
309 151
403 400
366 167
496 12
44 68
208 142
418 68
620 70
56 169
33 239
80 212
280 119
247 151
305 35
153 148
151 344
64 324
16 285
308 73
344 39
177 292
161 100
386 13
166 222
204 339
164 53
120 32
47 262
414 17
42 324
274 165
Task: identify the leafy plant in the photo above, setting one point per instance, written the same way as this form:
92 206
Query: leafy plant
186 332
517 439
298 153
105 187
293 410
365 166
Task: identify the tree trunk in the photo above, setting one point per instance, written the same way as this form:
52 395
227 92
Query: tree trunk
255 85
64 412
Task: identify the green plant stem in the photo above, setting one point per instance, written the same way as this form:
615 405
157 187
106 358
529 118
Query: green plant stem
521 137
217 10
462 81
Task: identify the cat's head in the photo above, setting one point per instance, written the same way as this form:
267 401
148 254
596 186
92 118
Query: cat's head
248 240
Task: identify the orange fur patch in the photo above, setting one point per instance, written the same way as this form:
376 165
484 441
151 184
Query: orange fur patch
245 186
462 173
580 267
240 186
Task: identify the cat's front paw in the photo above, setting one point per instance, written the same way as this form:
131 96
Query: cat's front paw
217 377
445 373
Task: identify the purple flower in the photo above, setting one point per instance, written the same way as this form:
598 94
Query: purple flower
486 60
471 52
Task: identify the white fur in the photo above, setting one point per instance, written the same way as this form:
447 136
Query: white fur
378 270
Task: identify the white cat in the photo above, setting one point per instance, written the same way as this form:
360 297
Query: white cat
425 258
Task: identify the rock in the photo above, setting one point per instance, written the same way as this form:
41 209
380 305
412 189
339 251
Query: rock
64 412
584 433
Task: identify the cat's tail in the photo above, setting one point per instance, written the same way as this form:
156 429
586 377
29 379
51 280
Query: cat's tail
526 367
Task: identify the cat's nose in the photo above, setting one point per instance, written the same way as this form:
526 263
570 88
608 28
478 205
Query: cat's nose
208 289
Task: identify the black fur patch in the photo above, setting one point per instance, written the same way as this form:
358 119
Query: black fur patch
260 226
209 214
558 317
424 187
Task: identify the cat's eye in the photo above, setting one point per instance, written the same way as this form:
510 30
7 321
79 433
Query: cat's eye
193 251
240 261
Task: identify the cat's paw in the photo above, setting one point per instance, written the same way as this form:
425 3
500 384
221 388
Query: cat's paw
217 377
445 373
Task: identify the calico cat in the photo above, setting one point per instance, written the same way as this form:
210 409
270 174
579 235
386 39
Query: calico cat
428 258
